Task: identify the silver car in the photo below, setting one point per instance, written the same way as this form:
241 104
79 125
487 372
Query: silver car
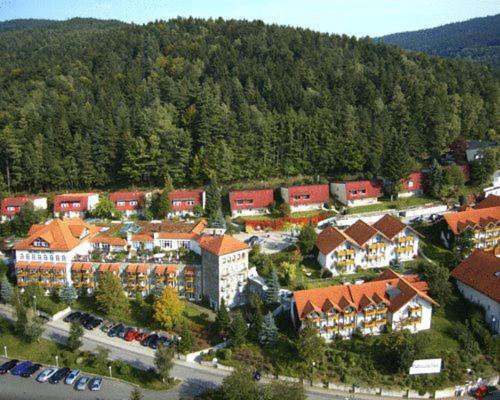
95 383
81 384
46 374
71 378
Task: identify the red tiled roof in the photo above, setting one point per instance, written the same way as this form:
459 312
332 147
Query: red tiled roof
221 244
360 232
185 196
329 239
250 199
390 226
142 237
359 296
471 218
480 271
488 202
417 182
308 194
112 241
363 189
13 202
127 198
76 202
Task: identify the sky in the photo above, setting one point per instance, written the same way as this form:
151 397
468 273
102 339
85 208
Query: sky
351 17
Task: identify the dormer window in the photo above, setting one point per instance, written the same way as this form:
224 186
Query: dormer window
40 243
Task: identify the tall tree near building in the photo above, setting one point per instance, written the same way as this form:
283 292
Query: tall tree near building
168 309
187 340
463 244
397 164
110 296
68 294
214 199
164 361
74 341
238 330
6 289
27 217
435 179
307 238
273 289
105 209
310 345
28 324
268 332
222 320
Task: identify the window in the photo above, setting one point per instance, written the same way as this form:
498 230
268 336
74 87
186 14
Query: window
21 256
39 257
120 203
28 256
63 258
57 257
176 203
45 257
40 243
190 202
51 257
10 208
133 202
410 183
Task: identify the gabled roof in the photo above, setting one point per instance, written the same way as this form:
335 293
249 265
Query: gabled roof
196 196
251 199
390 226
111 240
490 201
60 235
480 271
472 218
221 244
316 194
360 232
77 201
14 202
414 182
329 239
389 288
127 197
370 188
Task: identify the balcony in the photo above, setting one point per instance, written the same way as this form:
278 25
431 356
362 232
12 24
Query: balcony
332 329
376 246
345 263
379 322
382 310
342 253
350 325
189 278
404 249
22 283
87 275
58 284
369 313
415 309
349 314
142 277
369 324
189 289
47 284
21 273
131 277
88 284
411 321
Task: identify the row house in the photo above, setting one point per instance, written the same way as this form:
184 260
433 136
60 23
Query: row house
305 197
58 242
366 246
129 203
74 205
183 202
357 193
50 276
478 279
251 202
11 206
390 300
483 222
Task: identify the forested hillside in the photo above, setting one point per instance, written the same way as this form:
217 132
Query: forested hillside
477 39
100 105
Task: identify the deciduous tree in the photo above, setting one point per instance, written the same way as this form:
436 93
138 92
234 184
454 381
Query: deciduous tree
168 309
110 297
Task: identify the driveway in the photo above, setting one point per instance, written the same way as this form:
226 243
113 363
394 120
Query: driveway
270 242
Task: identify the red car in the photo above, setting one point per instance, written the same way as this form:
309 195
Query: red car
142 336
480 392
130 335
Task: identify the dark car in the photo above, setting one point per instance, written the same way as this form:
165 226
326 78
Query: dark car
72 316
31 370
59 375
6 367
21 367
92 322
153 341
115 330
147 341
164 341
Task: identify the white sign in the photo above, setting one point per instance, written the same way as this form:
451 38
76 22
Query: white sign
429 366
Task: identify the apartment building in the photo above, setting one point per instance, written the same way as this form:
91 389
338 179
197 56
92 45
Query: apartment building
483 222
129 203
250 202
357 193
74 205
390 300
366 246
45 256
183 202
305 197
11 206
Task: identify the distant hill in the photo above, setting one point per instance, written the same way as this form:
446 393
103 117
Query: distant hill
477 39
72 24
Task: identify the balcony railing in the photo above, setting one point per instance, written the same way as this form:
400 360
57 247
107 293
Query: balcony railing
379 322
348 326
369 313
345 263
370 324
382 310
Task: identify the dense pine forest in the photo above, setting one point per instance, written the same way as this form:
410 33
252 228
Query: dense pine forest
477 39
97 104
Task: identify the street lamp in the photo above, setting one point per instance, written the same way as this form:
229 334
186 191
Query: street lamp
312 370
34 302
178 342
57 361
110 375
5 351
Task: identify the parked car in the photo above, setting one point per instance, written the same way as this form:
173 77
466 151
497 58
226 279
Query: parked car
21 367
142 335
115 330
95 383
148 339
164 341
60 375
153 341
122 332
131 334
91 322
46 374
72 316
72 377
106 326
31 370
6 367
81 383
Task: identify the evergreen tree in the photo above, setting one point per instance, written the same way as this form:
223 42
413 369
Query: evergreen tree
68 294
164 361
136 394
269 331
238 330
463 244
28 325
435 179
397 163
6 289
307 238
222 320
256 325
213 206
273 288
187 340
74 341
310 345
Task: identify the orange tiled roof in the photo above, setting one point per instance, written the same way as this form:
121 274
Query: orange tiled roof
471 218
488 202
142 237
329 239
390 226
142 269
60 235
76 267
480 271
360 232
131 269
111 240
160 269
341 297
221 244
86 266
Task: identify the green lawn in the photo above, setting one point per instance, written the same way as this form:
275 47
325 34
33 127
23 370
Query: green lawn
44 351
386 204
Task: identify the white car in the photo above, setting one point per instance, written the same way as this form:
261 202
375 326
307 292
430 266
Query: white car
95 383
71 378
46 374
82 383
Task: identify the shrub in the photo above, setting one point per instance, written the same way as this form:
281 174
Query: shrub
224 354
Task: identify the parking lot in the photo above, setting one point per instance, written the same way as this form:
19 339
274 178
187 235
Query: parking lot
270 242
